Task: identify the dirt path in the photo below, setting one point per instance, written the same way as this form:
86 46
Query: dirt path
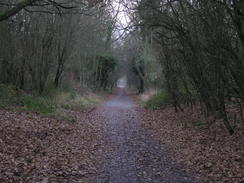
134 156
106 145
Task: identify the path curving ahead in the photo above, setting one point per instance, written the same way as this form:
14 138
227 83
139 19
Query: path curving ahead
135 157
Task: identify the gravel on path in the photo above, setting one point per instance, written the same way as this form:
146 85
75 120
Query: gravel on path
134 157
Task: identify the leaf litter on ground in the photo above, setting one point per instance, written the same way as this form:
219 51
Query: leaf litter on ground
203 148
40 149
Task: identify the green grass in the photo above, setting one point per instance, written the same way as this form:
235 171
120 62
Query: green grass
40 105
159 101
75 101
8 96
55 102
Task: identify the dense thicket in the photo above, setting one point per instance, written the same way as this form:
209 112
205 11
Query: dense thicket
55 42
200 46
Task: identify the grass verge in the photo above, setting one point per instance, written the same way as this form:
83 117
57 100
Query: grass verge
55 103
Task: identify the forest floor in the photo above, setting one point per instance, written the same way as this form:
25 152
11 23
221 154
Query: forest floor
204 148
117 142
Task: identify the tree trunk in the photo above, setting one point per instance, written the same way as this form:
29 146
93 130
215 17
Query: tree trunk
58 74
238 19
141 86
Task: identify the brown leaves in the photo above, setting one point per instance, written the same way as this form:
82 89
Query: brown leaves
207 150
37 149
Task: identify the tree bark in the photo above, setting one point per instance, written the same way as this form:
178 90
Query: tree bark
238 19
18 7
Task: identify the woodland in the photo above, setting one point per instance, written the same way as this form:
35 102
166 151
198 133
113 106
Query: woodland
192 49
185 56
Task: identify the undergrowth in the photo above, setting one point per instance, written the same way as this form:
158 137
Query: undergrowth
54 102
8 96
158 101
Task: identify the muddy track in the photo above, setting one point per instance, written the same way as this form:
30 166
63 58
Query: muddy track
135 157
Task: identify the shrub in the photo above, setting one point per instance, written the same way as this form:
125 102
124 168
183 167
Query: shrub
158 101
